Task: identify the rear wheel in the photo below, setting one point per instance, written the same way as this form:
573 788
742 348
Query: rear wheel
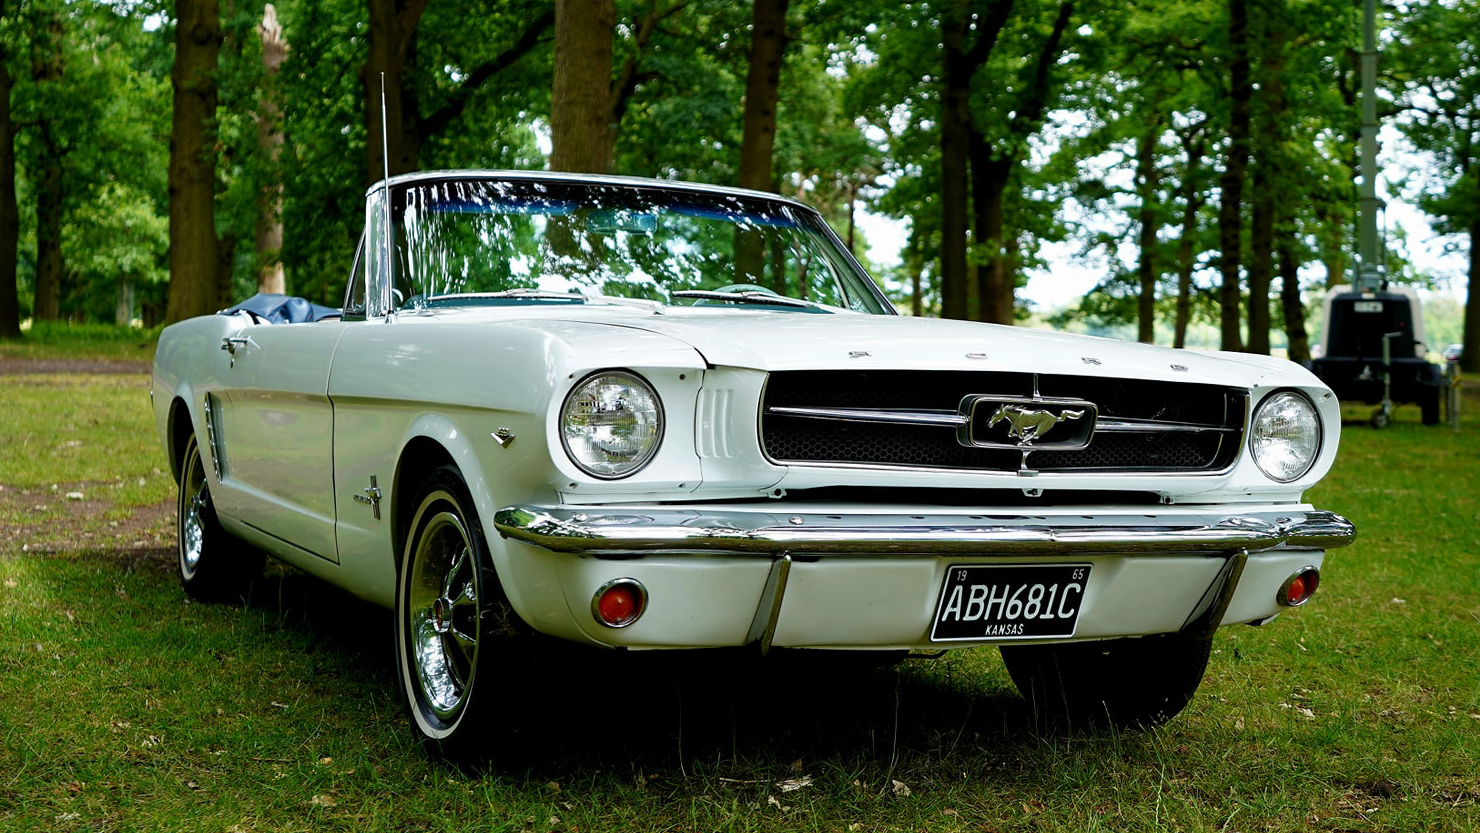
1124 683
213 565
452 622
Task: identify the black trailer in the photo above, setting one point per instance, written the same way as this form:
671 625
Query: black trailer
1373 351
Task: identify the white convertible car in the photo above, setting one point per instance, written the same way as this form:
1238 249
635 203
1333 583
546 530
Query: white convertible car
651 415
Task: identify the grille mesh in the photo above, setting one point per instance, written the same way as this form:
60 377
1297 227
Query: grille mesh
805 440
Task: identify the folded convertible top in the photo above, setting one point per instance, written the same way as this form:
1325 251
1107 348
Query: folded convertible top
282 309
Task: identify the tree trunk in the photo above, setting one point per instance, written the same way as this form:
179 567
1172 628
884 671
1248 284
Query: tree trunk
582 136
914 264
1193 199
1192 202
1290 301
1261 261
758 132
10 218
995 278
955 120
1469 361
270 276
991 173
1267 180
1146 271
392 48
1230 218
47 69
194 259
49 267
762 91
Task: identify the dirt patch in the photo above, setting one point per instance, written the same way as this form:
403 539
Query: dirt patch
13 365
55 522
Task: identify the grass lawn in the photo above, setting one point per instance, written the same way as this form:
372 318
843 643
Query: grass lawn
123 706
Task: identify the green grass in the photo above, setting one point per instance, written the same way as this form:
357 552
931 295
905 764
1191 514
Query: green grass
123 706
54 340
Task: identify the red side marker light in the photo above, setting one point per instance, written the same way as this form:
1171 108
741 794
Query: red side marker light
619 603
1298 589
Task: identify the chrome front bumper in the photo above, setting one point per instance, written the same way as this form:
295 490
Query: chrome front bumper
628 530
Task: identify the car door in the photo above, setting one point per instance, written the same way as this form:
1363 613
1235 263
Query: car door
278 432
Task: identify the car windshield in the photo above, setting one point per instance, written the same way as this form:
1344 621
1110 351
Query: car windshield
489 241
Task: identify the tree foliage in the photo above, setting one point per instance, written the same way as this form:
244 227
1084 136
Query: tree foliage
1199 153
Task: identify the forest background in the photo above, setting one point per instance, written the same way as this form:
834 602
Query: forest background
161 159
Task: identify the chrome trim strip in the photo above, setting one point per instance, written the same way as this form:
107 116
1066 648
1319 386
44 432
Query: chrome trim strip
1146 426
949 419
626 530
952 419
218 457
1205 618
768 612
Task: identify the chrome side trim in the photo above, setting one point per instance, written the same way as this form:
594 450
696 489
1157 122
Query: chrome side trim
627 530
1205 618
213 437
763 626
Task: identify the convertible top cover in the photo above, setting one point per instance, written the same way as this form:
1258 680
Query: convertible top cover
282 309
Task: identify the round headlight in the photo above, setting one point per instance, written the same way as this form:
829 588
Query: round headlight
611 424
1286 436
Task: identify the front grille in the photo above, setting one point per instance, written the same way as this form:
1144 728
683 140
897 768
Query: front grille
1145 426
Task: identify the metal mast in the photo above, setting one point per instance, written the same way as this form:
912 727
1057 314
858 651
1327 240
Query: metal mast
1370 271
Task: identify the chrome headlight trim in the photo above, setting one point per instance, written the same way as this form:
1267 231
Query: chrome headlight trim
611 424
1285 435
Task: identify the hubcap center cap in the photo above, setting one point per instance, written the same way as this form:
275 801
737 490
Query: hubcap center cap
441 616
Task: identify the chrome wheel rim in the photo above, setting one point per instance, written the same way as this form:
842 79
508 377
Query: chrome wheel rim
442 615
194 500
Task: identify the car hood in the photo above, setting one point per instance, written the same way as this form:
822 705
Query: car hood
800 341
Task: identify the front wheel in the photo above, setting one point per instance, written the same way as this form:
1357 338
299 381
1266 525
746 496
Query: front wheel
452 621
213 565
1124 683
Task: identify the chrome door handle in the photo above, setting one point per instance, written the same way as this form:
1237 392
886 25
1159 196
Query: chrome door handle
230 343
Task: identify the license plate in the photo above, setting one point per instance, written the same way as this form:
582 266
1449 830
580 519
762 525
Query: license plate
979 602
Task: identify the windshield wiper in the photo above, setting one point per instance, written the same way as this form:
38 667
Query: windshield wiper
756 296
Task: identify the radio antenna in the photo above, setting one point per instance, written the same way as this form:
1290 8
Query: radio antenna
385 184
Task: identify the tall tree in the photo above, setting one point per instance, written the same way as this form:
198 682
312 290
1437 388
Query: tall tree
762 89
47 68
1231 184
1442 94
388 96
995 157
583 137
1147 182
1271 160
270 276
195 287
10 219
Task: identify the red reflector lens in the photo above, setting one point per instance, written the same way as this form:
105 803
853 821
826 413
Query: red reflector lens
619 603
1300 587
1296 593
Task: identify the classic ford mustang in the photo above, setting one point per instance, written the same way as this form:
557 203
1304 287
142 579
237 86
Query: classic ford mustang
652 415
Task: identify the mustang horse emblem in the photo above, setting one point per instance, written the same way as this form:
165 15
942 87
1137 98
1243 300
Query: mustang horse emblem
1028 424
